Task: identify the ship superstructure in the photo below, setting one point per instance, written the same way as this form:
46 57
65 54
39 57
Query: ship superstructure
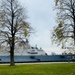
23 48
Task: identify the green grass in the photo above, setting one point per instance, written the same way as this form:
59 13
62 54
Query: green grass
39 69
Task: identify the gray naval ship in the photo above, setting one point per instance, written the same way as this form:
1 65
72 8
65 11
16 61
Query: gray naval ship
22 48
24 52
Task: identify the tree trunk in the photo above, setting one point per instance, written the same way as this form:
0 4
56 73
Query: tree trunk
12 53
74 34
12 57
12 38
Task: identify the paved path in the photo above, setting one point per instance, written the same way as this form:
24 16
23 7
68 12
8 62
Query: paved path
39 63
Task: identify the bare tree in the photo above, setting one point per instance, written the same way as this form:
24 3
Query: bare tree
66 17
13 25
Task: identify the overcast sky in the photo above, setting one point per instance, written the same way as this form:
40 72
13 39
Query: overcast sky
42 18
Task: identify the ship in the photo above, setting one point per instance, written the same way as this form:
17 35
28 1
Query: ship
25 53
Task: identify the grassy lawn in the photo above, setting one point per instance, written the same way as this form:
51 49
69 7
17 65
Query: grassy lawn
39 69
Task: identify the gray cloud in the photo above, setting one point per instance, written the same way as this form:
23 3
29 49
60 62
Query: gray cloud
42 19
